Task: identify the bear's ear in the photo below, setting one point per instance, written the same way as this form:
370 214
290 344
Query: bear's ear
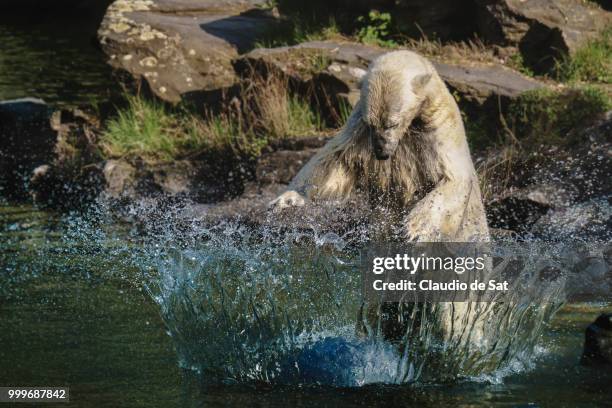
419 81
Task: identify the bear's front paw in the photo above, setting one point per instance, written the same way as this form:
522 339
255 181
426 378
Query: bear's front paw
421 228
287 199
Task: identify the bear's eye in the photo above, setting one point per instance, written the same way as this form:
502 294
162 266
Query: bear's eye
389 126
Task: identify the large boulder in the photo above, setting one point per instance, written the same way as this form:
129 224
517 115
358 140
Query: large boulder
543 30
181 48
333 70
598 341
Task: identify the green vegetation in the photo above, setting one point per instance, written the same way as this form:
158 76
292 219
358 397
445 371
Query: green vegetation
344 112
477 131
280 115
376 29
154 132
151 131
517 62
548 116
298 30
591 63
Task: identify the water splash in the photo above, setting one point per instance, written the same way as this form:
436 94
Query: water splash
264 304
258 305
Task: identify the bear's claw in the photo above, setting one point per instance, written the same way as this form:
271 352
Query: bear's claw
287 199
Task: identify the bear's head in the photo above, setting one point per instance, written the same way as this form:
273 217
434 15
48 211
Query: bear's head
392 95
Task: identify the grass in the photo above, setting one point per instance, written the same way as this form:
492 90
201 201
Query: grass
298 30
153 132
279 114
590 63
143 129
517 62
548 116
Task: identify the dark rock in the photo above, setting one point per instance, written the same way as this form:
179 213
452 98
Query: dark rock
519 209
558 192
543 30
333 70
515 214
77 136
587 166
286 158
281 166
69 176
66 187
441 19
181 48
598 341
27 140
327 220
190 179
553 194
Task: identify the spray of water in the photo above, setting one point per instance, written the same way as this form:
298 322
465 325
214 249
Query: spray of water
281 305
264 305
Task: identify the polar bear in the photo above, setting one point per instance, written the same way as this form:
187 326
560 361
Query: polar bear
405 146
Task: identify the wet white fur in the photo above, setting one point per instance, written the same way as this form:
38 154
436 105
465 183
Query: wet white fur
430 179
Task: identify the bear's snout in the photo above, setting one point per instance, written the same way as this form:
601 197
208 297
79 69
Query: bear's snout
381 154
383 149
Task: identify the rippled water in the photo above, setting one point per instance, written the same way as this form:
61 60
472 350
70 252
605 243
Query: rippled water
51 54
136 313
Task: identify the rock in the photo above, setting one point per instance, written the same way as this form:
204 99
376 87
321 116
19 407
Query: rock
77 136
27 140
120 178
69 176
586 166
515 213
181 48
286 159
190 179
519 209
598 341
552 194
65 188
251 209
281 166
334 71
543 30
